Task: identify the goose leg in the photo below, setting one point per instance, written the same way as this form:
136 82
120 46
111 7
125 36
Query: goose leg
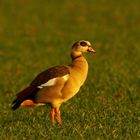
52 115
58 116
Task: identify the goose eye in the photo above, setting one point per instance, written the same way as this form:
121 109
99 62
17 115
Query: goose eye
83 44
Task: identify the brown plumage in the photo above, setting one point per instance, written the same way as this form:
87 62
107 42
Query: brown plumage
57 84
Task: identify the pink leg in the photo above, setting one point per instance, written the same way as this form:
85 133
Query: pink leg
52 115
58 117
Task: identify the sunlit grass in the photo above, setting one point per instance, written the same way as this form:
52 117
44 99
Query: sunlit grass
35 35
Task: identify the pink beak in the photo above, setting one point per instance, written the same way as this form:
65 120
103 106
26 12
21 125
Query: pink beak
91 50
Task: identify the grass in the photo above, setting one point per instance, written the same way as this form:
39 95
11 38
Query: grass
35 35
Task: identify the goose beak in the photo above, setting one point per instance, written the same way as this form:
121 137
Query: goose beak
91 50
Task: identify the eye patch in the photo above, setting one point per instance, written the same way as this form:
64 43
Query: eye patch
83 43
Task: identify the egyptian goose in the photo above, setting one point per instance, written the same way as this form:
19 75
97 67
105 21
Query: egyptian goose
58 84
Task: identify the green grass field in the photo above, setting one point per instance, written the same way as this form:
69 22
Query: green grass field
35 35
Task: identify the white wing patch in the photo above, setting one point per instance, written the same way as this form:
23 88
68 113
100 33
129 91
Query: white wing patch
66 77
52 82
